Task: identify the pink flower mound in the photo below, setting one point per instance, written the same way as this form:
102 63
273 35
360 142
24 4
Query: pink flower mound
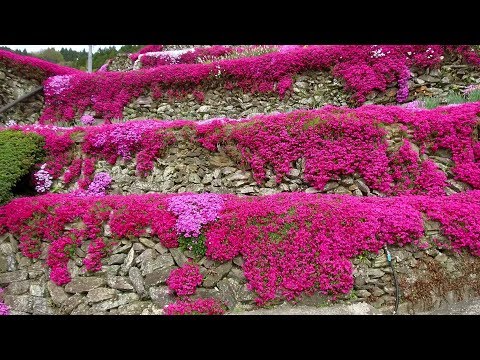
183 281
36 68
206 306
184 57
334 141
292 243
193 211
362 67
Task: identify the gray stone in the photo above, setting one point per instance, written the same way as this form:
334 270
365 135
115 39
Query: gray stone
231 292
178 256
363 293
6 249
122 299
22 303
116 259
161 295
18 287
134 308
128 262
380 261
3 264
216 274
157 277
100 294
160 262
122 249
137 247
57 294
145 256
238 260
9 277
43 306
160 248
136 278
147 242
38 290
377 292
330 186
441 258
238 275
362 186
119 283
84 284
375 273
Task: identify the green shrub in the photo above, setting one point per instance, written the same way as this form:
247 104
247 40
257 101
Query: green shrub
431 102
18 153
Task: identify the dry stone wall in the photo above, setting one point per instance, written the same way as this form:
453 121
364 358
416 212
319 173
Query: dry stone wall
133 280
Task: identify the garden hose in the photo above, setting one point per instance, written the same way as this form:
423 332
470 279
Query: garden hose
397 290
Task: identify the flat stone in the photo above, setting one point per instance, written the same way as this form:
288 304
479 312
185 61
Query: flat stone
380 261
161 295
84 284
134 308
363 293
100 294
147 242
116 259
119 283
238 260
238 275
362 186
43 306
138 247
128 262
160 262
38 290
441 258
341 190
9 277
158 277
22 303
136 278
3 264
57 294
145 256
160 248
375 273
215 275
18 287
178 256
122 299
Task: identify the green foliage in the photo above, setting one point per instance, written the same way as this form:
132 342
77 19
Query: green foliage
18 153
454 98
474 96
431 102
193 244
50 54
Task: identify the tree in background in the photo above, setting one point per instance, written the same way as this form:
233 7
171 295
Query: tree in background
51 55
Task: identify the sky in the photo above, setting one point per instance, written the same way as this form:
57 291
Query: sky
34 48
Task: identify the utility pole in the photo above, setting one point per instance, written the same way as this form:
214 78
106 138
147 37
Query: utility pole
89 64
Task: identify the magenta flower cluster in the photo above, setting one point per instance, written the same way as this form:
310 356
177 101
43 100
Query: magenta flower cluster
292 243
193 211
205 306
334 141
55 85
184 280
108 93
43 180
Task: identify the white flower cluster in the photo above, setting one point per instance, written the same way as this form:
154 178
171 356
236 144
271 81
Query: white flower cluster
11 123
43 180
430 51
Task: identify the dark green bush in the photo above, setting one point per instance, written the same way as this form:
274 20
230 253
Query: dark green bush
18 153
